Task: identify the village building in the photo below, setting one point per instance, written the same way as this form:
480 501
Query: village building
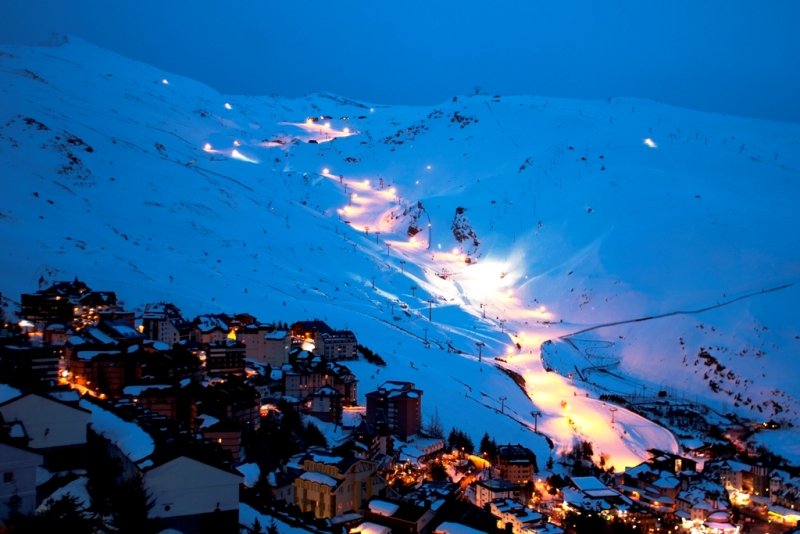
400 516
30 364
194 497
54 429
331 485
326 405
516 463
225 358
338 345
55 304
163 322
208 329
495 489
265 343
400 404
310 373
516 518
18 465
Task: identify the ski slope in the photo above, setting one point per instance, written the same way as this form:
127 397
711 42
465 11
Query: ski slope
573 214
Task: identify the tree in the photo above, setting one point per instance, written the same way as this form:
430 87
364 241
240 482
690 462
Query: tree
65 514
103 473
272 528
437 471
314 436
434 427
256 528
460 441
488 447
131 508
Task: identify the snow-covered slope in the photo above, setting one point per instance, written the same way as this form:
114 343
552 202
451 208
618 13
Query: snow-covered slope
573 215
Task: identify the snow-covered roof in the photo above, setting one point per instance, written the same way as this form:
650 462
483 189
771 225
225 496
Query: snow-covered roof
384 508
371 528
251 472
129 437
319 478
7 393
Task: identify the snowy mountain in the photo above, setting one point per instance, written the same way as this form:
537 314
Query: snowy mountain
526 224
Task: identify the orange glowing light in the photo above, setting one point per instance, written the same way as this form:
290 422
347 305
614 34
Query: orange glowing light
207 147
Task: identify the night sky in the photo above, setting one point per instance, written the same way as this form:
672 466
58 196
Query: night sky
741 58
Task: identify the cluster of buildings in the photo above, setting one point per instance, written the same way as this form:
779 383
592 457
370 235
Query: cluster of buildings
175 398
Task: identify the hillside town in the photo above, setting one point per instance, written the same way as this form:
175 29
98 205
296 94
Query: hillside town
149 421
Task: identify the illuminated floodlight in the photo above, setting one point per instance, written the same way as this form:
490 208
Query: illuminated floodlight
228 106
207 147
366 182
455 250
347 130
236 143
164 81
649 142
429 167
64 373
325 170
371 110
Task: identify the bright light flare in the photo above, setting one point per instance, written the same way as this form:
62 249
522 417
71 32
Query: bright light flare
241 157
326 171
649 142
228 106
164 81
236 143
346 130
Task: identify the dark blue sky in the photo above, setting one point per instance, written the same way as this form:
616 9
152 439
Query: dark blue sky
732 57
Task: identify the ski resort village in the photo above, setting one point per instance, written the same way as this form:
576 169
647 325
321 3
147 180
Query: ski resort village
500 314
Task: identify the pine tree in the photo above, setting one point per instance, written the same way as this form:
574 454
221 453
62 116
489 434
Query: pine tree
256 528
488 447
103 473
131 508
272 528
66 514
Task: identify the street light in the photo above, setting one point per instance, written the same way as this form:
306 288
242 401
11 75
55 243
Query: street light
480 344
413 291
430 310
503 404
